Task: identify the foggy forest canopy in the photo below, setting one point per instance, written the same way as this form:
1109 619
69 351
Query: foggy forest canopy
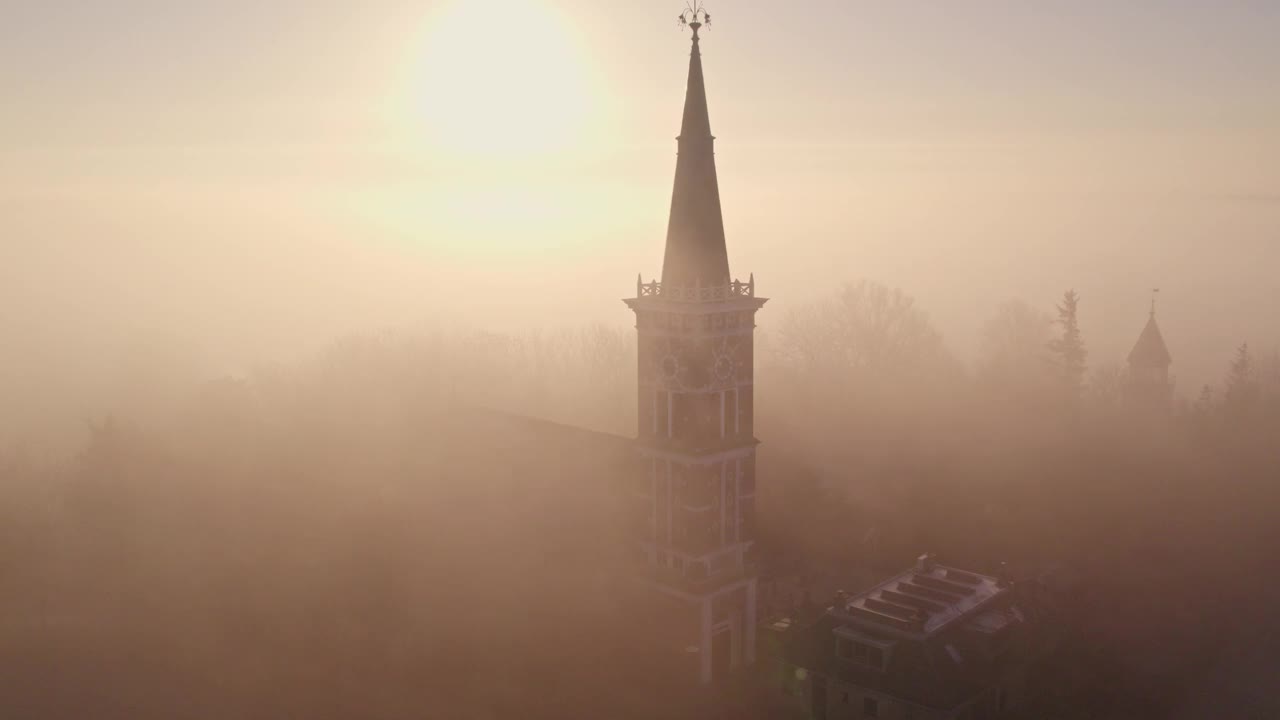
249 540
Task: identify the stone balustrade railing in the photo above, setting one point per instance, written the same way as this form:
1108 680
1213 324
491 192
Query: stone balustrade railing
696 293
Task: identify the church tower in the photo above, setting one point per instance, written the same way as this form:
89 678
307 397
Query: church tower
1148 385
694 515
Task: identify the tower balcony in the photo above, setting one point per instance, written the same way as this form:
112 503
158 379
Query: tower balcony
700 499
695 584
703 449
696 293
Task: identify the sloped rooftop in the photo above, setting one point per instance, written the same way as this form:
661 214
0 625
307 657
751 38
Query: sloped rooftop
1150 350
921 601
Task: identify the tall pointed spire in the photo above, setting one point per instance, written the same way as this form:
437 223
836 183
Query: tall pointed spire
695 252
1148 384
695 416
1150 350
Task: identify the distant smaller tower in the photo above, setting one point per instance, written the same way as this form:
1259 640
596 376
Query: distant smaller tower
1149 385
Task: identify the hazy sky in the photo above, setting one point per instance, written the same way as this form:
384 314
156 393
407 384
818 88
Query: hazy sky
243 181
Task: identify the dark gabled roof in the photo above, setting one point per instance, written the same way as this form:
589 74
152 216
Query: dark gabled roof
695 252
942 668
923 600
1150 350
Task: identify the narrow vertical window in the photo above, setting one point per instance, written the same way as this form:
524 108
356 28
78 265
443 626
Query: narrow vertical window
722 486
670 412
670 476
737 504
653 499
661 413
722 418
737 423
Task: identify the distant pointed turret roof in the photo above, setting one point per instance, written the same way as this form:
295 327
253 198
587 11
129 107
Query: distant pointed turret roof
695 253
1150 350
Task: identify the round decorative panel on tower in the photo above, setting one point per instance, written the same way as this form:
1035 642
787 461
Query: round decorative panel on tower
669 367
723 367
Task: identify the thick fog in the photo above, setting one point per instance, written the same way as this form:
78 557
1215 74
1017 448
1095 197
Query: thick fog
304 409
359 532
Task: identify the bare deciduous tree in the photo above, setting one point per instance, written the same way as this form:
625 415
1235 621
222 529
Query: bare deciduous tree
867 328
1012 354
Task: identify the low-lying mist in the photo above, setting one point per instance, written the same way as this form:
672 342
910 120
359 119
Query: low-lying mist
375 530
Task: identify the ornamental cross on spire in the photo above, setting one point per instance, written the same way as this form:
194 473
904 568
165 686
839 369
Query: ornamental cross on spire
695 15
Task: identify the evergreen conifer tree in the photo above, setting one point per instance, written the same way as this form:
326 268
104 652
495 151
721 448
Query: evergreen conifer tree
1241 392
1069 349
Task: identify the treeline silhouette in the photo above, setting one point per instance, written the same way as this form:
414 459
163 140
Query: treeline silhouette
357 537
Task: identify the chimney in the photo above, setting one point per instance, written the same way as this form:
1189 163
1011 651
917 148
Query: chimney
924 563
1002 577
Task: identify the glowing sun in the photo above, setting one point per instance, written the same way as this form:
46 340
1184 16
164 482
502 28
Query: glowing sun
503 77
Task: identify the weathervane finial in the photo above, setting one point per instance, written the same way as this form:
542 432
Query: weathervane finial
695 15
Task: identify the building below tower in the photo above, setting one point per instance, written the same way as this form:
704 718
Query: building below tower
930 643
